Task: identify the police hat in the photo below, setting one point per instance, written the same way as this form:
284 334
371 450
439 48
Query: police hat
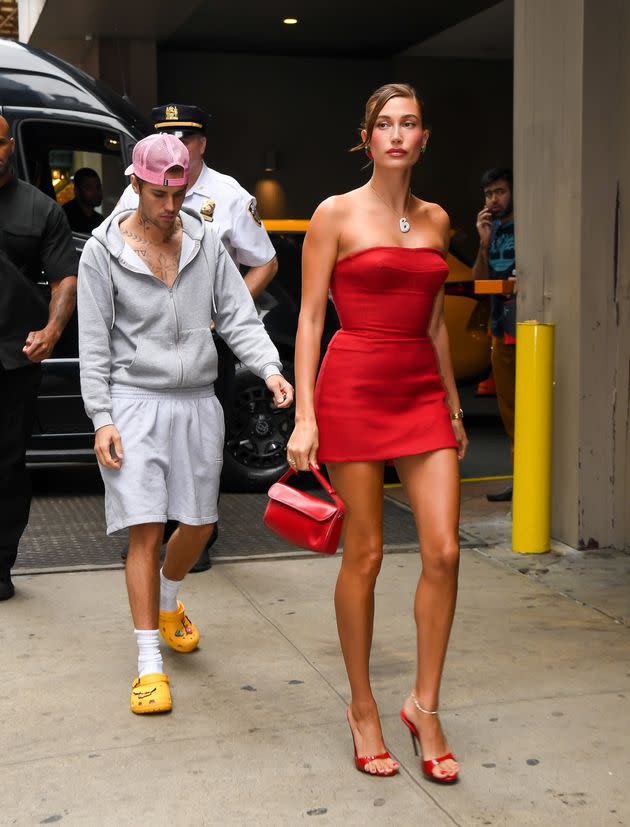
179 119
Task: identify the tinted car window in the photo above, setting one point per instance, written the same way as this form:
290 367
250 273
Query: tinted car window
21 89
54 151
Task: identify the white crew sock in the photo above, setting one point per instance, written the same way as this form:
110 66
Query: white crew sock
149 657
168 593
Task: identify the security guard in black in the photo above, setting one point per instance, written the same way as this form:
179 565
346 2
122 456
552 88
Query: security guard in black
35 243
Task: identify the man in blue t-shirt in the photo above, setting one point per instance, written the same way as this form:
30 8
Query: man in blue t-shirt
496 259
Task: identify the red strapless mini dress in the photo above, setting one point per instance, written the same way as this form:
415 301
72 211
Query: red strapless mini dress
379 394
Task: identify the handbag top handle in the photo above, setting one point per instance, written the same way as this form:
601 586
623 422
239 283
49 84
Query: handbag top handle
320 478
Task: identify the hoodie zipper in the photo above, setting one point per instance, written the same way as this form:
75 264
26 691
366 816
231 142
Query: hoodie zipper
170 289
179 356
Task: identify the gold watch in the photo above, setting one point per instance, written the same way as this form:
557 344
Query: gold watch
457 414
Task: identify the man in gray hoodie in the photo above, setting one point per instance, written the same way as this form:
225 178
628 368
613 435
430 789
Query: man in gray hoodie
152 284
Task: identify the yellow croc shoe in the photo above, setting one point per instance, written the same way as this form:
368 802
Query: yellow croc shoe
151 693
178 630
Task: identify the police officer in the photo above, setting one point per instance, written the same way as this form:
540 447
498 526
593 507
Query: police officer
232 211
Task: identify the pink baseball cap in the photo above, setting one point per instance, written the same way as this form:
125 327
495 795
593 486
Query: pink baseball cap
155 155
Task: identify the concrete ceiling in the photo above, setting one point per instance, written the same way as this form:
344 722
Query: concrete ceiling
489 35
78 19
344 28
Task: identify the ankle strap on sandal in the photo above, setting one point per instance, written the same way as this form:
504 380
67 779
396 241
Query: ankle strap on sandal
420 708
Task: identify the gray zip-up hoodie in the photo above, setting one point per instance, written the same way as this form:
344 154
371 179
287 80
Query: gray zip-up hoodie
135 331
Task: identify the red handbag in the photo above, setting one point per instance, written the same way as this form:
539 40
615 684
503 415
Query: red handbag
304 520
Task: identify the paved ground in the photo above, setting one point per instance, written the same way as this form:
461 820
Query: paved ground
66 532
536 697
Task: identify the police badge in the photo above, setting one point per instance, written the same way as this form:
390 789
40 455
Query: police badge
171 113
253 211
207 209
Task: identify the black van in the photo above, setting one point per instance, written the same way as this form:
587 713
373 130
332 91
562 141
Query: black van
62 119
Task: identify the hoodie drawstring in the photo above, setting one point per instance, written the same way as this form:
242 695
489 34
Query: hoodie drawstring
214 306
111 288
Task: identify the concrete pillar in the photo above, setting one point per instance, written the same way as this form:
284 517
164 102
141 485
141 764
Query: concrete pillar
572 188
28 15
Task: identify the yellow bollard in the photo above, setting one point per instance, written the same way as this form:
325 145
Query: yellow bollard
531 501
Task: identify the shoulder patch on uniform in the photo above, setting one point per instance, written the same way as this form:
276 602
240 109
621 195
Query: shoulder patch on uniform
207 209
252 209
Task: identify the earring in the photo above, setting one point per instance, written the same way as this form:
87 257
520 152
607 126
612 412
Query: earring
423 148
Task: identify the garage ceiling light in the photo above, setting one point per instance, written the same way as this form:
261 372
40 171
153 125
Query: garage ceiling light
290 21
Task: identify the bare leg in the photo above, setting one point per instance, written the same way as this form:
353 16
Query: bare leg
183 549
431 482
360 485
142 573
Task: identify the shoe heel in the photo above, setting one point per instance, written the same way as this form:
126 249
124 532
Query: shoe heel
415 745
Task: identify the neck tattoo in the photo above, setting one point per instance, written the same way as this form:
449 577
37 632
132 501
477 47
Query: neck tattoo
403 223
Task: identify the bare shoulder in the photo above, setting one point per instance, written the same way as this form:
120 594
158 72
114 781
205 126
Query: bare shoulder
333 208
328 218
336 209
437 219
434 213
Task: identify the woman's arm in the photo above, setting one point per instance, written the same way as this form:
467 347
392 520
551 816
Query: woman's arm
439 336
319 255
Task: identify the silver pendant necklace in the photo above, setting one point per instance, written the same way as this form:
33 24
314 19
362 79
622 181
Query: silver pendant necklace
403 223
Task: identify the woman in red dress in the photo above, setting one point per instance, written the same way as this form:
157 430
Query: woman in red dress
385 392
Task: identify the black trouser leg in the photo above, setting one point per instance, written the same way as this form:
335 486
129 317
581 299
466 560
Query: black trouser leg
224 389
224 384
18 398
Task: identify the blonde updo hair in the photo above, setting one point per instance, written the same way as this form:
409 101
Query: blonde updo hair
377 101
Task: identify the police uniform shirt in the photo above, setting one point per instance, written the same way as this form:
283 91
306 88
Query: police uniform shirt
34 236
230 209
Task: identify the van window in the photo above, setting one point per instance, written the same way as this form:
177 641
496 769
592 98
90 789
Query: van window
54 151
44 91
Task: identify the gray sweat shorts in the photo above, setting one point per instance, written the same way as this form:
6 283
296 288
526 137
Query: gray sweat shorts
172 444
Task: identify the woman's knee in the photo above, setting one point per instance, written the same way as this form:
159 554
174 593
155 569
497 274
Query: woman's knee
441 558
364 557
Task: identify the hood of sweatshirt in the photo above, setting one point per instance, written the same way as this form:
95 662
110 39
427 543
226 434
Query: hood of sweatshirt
108 232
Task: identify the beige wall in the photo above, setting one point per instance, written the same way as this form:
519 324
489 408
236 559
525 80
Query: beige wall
571 102
28 15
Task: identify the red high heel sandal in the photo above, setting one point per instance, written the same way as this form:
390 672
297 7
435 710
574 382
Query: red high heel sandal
431 763
361 761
